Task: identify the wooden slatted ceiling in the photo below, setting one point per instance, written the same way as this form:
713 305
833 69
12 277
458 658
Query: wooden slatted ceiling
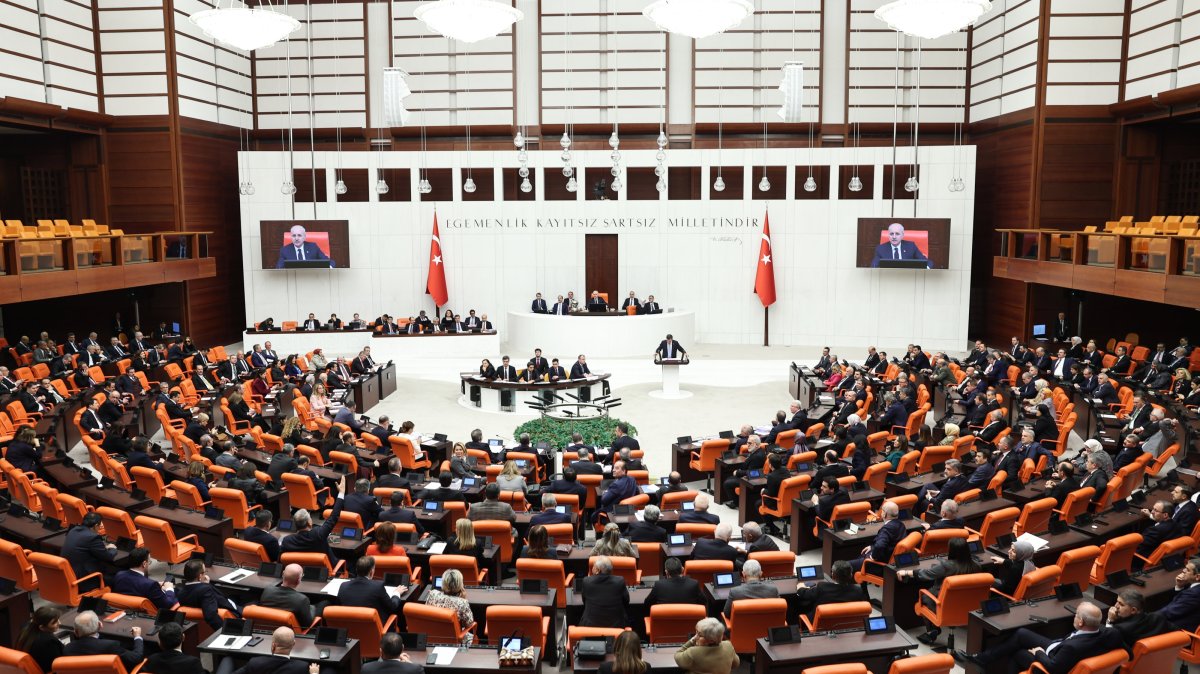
1004 49
333 40
624 53
453 84
738 72
871 80
133 57
213 81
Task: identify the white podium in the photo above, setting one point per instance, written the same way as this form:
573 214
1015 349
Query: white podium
670 380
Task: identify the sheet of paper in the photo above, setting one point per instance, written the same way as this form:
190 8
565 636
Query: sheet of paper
331 588
639 516
237 575
432 485
437 548
1037 543
649 489
231 642
444 655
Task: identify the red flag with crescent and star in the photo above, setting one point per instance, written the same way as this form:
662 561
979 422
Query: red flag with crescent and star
435 284
764 278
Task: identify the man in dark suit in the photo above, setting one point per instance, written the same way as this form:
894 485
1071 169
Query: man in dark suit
114 350
596 302
539 305
363 502
568 484
700 515
718 546
506 372
1062 327
443 492
580 369
135 581
647 530
605 597
1186 510
897 248
1061 369
650 306
584 465
622 439
1183 611
198 592
549 514
841 589
283 461
992 428
755 541
829 497
833 468
300 250
1163 529
1128 616
1010 462
398 514
1063 483
314 539
669 348
392 658
366 593
85 549
278 662
849 405
752 586
1025 646
1131 449
949 517
170 658
285 596
955 484
556 372
260 532
880 549
674 587
561 307
87 641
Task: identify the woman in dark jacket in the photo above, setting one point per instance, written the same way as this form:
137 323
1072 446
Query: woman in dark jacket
862 456
25 453
487 370
37 637
958 562
1044 427
242 412
464 542
248 483
196 475
539 544
1013 567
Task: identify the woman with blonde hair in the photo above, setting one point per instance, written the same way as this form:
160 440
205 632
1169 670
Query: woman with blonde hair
293 431
612 545
628 656
319 400
510 478
463 542
195 477
454 596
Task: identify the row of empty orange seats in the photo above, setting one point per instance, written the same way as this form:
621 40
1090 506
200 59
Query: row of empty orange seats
55 229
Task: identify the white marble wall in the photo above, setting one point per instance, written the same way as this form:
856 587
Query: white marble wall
709 269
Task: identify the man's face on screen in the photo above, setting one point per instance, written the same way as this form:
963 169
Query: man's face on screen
298 234
895 234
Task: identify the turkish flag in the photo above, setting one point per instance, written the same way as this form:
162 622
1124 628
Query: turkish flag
764 278
435 284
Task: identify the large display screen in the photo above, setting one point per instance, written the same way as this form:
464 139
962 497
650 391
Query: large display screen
904 243
305 244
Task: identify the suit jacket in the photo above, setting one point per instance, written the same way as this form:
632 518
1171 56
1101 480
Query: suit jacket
711 548
273 664
130 582
989 432
752 590
1082 646
441 494
676 349
908 251
550 517
265 539
579 370
366 505
695 516
605 601
506 373
94 646
951 488
1185 516
492 510
1067 361
85 550
174 662
315 539
368 593
392 667
886 539
1158 533
1096 480
1060 491
645 532
1184 609
565 487
288 599
587 468
678 590
401 515
826 592
538 306
896 415
1140 626
206 598
311 252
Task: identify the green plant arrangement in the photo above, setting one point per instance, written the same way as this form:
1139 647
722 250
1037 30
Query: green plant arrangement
597 432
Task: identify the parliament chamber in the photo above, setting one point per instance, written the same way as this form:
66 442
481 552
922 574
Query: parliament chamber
663 337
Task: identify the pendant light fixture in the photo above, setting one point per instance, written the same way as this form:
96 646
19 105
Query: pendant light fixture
614 141
468 184
468 20
289 187
565 142
660 171
245 28
855 184
339 185
931 19
698 18
719 183
912 185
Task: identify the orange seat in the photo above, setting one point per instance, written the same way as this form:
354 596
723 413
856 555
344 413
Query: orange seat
468 566
625 567
276 617
1106 663
995 524
1157 653
673 500
958 597
57 582
937 663
404 450
1175 546
775 563
360 623
396 563
868 572
650 559
1035 584
577 632
304 494
1116 555
14 564
245 553
188 495
90 664
17 662
672 623
703 570
550 570
1076 565
837 616
780 507
840 668
937 541
1075 504
73 507
118 524
705 460
440 625
503 621
233 503
696 529
751 619
1035 517
855 512
130 603
501 532
160 538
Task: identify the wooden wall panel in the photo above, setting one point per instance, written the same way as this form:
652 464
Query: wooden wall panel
141 176
1077 173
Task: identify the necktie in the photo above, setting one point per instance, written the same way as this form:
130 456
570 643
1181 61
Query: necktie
895 252
299 253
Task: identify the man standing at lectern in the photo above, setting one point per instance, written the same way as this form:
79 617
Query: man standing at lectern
669 348
299 249
897 248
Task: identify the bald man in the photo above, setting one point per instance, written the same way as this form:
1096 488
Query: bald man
300 250
280 661
285 595
1025 646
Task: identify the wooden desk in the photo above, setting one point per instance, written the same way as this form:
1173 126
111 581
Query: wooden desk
875 651
717 596
748 491
69 480
24 530
973 512
660 657
637 607
15 610
804 519
505 595
1159 589
725 469
1110 524
681 457
983 633
472 660
667 519
682 552
421 558
114 498
387 380
366 392
914 484
342 658
210 533
1058 543
120 631
839 545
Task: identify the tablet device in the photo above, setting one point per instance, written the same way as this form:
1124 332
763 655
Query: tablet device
331 636
1004 541
352 533
213 513
432 506
808 572
993 606
687 505
285 525
439 437
534 586
905 559
786 634
754 474
397 579
726 435
168 503
95 604
1173 562
975 546
319 574
242 627
7 585
437 582
1058 526
1115 579
684 439
679 539
1068 591
270 570
413 641
470 481
724 580
879 624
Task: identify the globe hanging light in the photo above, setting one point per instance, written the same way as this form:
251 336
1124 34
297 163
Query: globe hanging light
249 188
425 187
565 141
810 185
764 185
340 187
856 185
662 140
911 185
519 140
526 186
469 186
568 171
381 186
615 171
523 171
719 184
613 141
659 170
617 184
661 185
565 156
288 187
572 185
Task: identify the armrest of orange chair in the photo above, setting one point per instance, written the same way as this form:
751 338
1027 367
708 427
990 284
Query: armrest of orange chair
902 427
390 624
696 457
338 570
805 623
416 575
1144 559
725 619
259 507
483 576
1036 667
774 499
318 495
79 581
138 669
195 539
931 595
570 580
1006 596
316 621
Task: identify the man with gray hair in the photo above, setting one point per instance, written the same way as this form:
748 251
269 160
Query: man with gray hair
605 597
880 549
1128 616
647 530
550 514
1025 646
363 502
283 461
949 517
752 586
708 651
584 464
87 641
630 462
754 539
314 539
718 546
